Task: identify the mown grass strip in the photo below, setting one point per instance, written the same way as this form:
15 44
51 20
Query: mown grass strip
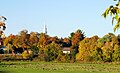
49 67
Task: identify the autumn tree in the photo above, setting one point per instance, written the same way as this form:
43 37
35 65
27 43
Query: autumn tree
8 42
54 39
75 39
33 41
87 49
22 40
43 40
66 42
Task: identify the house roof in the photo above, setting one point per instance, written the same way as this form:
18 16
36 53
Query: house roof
66 49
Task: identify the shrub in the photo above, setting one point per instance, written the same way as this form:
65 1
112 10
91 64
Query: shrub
27 54
7 57
52 51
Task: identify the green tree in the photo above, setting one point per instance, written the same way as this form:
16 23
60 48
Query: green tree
52 51
108 50
109 45
116 54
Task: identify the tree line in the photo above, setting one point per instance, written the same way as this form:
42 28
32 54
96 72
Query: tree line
46 48
42 47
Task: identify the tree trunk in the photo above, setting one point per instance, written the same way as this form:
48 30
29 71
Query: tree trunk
13 53
28 51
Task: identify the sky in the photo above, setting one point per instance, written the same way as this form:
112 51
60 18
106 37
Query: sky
61 17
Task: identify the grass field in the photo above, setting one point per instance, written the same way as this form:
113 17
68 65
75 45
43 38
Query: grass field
48 67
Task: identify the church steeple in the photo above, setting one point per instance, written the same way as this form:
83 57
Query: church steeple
45 29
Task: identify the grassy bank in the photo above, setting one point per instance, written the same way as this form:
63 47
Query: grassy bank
41 67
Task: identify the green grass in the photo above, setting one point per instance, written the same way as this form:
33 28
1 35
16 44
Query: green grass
48 67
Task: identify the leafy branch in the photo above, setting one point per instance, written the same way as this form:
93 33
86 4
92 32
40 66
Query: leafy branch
114 12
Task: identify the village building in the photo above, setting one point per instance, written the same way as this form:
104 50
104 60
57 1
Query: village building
66 50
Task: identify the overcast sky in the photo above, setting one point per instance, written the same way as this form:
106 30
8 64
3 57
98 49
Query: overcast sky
61 16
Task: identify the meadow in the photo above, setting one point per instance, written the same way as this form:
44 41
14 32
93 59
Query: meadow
50 67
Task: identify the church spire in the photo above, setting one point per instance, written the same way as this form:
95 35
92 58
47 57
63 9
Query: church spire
45 29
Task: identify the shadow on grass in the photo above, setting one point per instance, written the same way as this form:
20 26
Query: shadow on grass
5 72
